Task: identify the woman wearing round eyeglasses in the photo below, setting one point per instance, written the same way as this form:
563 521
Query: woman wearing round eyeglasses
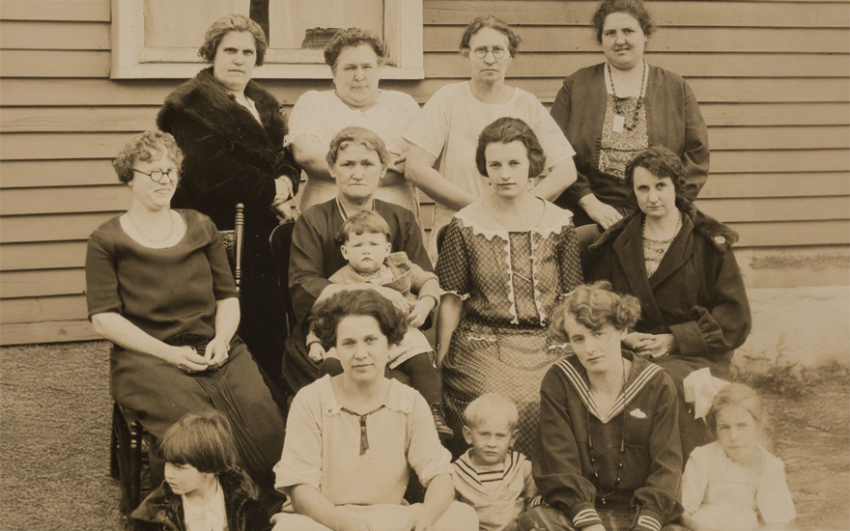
457 113
159 287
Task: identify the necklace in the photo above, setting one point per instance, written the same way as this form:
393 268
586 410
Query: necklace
670 239
148 238
638 105
602 493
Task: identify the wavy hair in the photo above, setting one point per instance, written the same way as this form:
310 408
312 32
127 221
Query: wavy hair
358 135
634 8
365 302
145 147
489 21
594 306
226 24
660 162
352 38
506 130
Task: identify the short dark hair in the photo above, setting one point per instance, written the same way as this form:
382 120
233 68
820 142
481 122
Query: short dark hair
203 440
635 8
365 302
661 162
364 222
506 130
357 135
227 24
489 21
145 146
352 38
594 306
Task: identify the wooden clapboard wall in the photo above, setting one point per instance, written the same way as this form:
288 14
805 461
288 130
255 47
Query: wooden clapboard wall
772 78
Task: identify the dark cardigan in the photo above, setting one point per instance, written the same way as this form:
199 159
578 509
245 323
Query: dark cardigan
673 120
162 510
231 158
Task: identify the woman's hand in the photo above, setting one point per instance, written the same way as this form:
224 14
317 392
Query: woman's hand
283 205
217 352
651 345
186 359
419 312
398 164
420 521
599 212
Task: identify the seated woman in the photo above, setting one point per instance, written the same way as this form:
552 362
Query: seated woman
358 160
607 455
159 287
679 263
505 261
352 438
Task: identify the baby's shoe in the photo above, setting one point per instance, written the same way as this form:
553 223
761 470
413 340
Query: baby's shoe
443 429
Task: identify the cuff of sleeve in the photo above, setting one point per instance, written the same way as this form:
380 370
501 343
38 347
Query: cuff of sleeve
584 514
647 521
689 339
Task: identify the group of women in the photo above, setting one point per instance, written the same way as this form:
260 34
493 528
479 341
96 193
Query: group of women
624 149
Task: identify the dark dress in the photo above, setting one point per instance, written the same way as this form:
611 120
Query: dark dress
171 295
511 282
647 495
673 120
697 294
231 158
316 256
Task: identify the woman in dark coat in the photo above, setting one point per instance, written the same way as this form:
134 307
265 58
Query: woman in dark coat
232 132
679 263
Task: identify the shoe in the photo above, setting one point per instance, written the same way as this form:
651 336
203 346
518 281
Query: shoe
443 429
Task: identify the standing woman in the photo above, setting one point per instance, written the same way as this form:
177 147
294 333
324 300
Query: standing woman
505 261
679 263
455 115
355 57
231 131
616 109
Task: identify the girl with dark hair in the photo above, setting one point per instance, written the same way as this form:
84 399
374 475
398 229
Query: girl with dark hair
679 263
505 261
607 455
203 487
352 439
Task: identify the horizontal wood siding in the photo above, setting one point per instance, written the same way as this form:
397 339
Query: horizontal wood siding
772 79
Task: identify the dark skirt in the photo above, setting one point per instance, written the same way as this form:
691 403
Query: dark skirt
160 394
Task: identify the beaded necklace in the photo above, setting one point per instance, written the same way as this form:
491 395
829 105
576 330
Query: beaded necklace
638 105
603 494
148 238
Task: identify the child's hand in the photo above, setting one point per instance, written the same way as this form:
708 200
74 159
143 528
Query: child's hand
419 312
317 352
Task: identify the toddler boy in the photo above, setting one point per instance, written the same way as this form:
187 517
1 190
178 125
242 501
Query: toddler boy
490 476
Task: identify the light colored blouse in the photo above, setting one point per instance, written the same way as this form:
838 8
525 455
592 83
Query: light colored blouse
209 517
351 463
724 495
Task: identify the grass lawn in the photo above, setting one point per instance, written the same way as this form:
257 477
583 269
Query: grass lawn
55 414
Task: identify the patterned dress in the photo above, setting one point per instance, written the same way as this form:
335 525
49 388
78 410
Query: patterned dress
510 283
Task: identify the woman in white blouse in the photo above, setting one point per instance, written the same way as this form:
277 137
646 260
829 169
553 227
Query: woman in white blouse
355 58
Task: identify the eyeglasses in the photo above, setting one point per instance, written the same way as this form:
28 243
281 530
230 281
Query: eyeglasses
172 174
481 53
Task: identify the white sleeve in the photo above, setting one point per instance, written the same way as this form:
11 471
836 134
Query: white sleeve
430 130
773 497
555 144
305 117
695 480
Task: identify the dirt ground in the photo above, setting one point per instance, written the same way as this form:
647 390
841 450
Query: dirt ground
811 434
54 433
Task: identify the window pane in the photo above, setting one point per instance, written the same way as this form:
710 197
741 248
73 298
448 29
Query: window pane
293 23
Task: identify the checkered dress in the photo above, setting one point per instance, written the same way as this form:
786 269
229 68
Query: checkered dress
510 283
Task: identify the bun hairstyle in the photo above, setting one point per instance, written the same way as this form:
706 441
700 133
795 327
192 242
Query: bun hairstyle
594 306
735 394
203 440
365 302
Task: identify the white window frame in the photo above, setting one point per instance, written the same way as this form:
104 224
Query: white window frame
403 24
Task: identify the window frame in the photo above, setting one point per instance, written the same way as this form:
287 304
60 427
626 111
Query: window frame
403 40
